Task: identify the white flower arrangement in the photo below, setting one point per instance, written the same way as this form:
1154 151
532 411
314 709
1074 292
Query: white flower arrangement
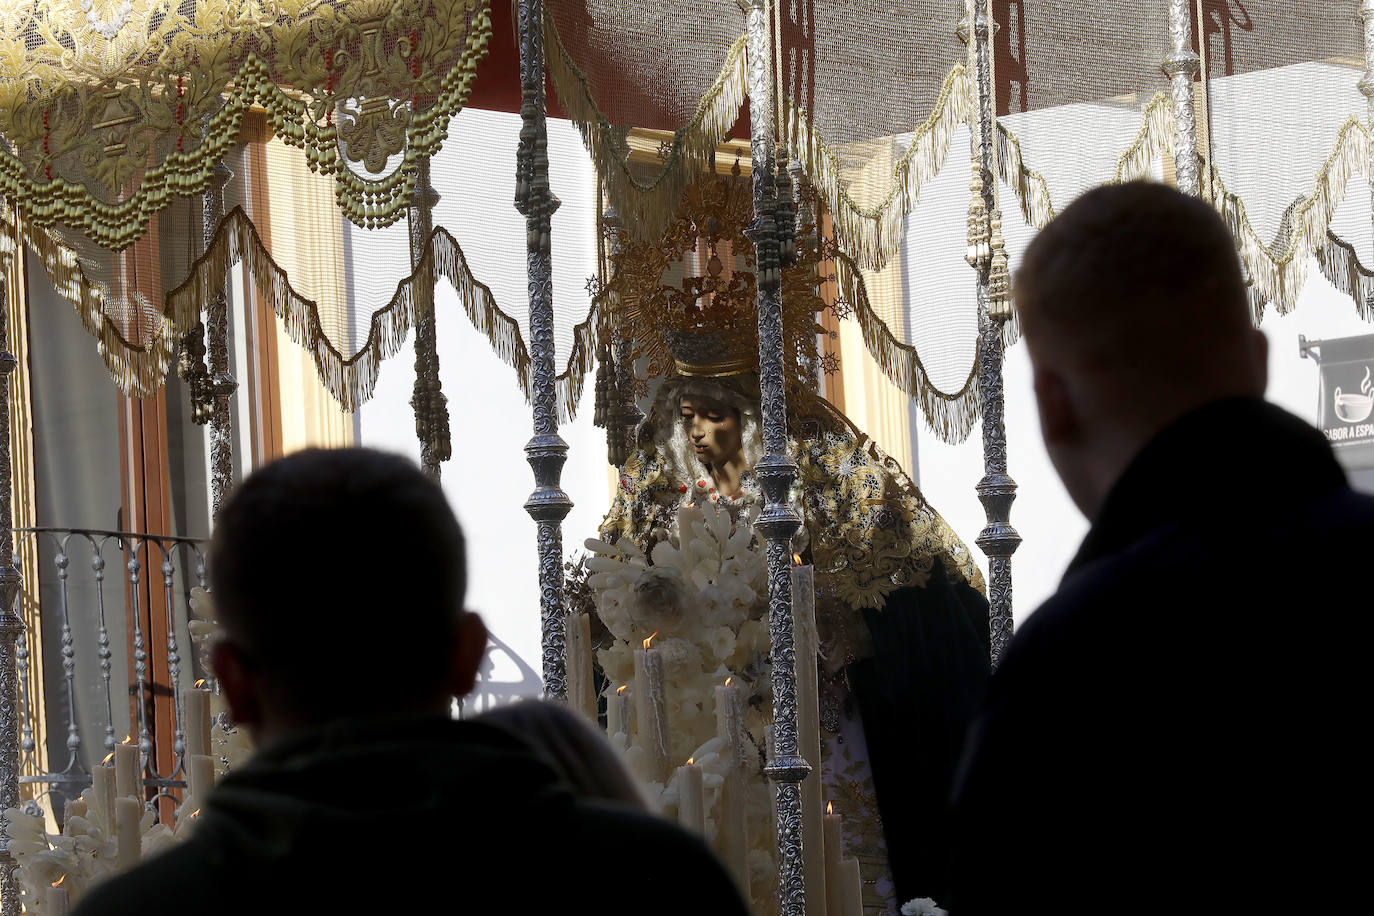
82 855
703 591
922 906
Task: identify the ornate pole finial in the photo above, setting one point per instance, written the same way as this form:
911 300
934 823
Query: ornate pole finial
548 505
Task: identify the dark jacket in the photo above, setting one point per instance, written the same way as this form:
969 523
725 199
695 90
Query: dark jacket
424 816
1180 727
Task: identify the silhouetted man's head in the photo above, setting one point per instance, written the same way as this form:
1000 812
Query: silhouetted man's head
339 577
1134 312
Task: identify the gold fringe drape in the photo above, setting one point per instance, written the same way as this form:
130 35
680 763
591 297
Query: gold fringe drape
872 235
350 379
1341 266
1279 271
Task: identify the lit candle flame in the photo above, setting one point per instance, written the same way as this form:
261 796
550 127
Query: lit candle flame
128 739
728 680
621 689
650 639
829 808
796 557
58 882
107 758
691 760
195 813
200 682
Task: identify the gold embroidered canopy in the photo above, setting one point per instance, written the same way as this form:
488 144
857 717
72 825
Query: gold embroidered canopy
110 108
114 114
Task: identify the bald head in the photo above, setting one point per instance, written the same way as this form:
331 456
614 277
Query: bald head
1134 312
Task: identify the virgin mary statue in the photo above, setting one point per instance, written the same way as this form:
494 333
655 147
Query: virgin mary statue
901 617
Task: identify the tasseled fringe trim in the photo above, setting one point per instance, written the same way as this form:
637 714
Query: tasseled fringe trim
1278 272
350 379
1153 141
581 361
647 206
949 415
1031 190
1341 265
137 369
872 235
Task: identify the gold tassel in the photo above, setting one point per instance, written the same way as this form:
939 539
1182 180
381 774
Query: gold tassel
999 278
978 250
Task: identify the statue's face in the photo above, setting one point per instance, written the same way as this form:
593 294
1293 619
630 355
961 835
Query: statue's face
713 428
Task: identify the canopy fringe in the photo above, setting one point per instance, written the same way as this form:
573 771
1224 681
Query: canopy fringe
1279 271
872 235
350 379
1340 264
950 415
138 369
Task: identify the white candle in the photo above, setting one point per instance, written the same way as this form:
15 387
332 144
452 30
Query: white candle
809 727
127 771
691 805
581 691
651 710
852 888
103 796
618 711
128 832
731 830
200 777
834 854
195 724
55 901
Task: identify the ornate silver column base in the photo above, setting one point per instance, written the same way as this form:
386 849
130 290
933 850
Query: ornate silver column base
221 385
11 626
547 451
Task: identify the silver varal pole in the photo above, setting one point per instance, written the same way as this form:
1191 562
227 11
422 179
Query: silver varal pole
778 521
222 383
1366 83
987 254
1181 64
428 401
548 505
11 626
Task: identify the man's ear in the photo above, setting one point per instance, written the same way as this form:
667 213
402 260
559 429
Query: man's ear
233 671
469 648
1058 418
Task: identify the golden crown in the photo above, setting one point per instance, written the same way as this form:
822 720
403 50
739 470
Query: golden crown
689 301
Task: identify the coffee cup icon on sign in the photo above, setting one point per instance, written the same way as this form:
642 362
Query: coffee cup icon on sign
1356 407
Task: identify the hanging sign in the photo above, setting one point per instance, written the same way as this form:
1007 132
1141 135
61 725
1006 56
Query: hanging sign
1347 399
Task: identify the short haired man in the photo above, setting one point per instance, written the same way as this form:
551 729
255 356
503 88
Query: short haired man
339 579
1176 728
